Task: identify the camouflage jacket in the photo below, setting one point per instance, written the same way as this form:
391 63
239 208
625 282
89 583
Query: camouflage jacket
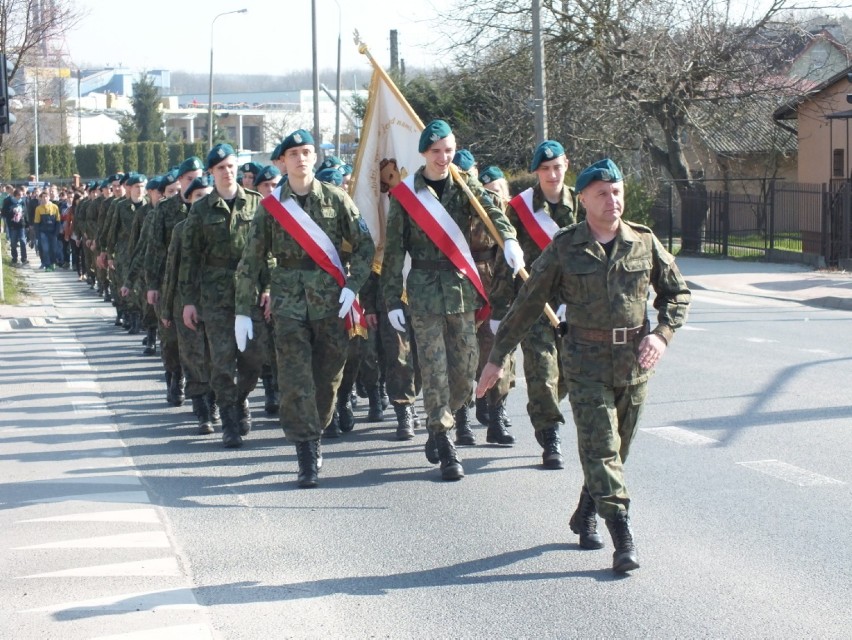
170 300
505 286
105 221
118 238
439 291
298 288
167 214
92 214
80 213
138 248
213 241
600 293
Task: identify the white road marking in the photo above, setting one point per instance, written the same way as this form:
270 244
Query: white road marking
129 479
181 632
123 515
691 327
709 298
138 540
790 473
82 365
141 601
155 567
129 497
80 383
71 355
761 340
681 436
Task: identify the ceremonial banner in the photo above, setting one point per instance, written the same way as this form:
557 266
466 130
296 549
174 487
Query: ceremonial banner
387 154
538 224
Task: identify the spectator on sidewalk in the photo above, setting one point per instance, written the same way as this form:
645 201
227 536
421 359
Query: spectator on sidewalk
47 221
15 217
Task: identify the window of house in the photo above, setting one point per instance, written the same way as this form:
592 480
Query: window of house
837 163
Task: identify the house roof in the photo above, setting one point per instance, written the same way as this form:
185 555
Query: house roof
742 127
789 110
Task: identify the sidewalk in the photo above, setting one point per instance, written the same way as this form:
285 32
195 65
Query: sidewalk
796 283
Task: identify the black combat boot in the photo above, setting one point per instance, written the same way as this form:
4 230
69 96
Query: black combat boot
173 397
404 421
244 414
550 441
376 412
307 455
464 434
215 416
498 431
231 437
383 394
150 342
345 417
119 316
332 430
202 412
624 558
108 295
270 394
451 468
431 448
584 522
135 323
482 411
179 383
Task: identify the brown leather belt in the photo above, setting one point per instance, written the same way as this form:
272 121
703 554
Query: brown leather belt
619 335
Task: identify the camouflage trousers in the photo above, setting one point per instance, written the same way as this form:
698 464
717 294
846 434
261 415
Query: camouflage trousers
311 356
370 366
546 385
169 348
355 362
266 340
402 369
447 352
497 394
130 302
226 360
606 420
194 355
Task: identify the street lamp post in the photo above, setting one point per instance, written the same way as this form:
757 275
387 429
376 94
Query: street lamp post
210 93
337 112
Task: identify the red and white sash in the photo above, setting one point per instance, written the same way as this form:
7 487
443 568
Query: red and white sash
538 224
431 216
310 236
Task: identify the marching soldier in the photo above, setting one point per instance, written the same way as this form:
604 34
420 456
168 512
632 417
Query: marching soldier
601 269
301 228
429 218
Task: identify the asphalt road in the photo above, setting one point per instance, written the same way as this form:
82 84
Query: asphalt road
116 521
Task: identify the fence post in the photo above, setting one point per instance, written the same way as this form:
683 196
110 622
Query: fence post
772 214
671 215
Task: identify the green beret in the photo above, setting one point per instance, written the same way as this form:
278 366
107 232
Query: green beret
490 174
266 174
106 184
276 152
346 169
192 163
154 183
251 167
195 185
464 159
219 153
116 177
125 177
299 138
92 185
169 178
605 170
547 150
331 176
136 178
434 131
332 162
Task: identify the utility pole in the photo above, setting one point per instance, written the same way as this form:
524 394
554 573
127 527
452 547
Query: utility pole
540 99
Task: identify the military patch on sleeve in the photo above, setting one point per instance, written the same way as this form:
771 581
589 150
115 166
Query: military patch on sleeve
362 225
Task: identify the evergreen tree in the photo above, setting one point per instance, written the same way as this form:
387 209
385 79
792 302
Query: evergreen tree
147 116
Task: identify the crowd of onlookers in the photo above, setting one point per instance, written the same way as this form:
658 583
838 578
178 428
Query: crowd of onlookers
41 219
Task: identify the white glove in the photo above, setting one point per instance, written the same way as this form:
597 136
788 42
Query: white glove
560 312
494 324
514 255
397 319
243 331
347 297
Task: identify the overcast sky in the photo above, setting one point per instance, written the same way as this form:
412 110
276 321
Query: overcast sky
273 37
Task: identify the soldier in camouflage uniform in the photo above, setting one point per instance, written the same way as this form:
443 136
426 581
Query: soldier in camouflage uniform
104 284
215 234
552 201
119 242
169 212
119 194
192 345
601 269
442 300
80 214
308 304
92 212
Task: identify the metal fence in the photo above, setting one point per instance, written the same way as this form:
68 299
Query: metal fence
789 222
